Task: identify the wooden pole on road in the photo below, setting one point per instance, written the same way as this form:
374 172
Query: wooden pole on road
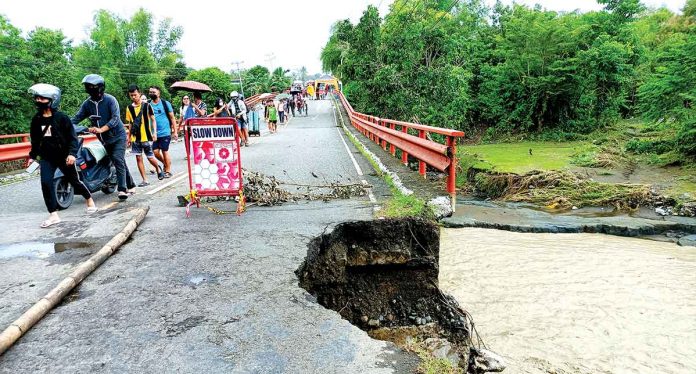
36 312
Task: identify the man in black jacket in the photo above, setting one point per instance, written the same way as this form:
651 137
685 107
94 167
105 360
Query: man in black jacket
54 144
108 128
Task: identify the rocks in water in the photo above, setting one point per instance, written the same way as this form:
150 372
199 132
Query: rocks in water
688 241
441 348
688 209
484 361
441 206
663 211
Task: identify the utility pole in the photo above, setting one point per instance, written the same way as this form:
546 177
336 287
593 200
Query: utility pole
270 58
239 73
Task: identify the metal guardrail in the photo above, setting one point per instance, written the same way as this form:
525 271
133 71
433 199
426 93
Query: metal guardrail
392 135
20 150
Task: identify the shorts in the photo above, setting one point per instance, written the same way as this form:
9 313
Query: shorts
242 123
162 143
138 148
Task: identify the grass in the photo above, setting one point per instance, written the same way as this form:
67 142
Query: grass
430 364
516 158
404 206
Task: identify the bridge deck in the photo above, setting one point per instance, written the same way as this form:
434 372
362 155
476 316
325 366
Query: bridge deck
210 293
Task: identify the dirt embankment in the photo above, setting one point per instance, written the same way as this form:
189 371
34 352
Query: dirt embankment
382 276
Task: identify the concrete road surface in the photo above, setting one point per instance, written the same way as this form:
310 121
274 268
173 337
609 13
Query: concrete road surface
210 293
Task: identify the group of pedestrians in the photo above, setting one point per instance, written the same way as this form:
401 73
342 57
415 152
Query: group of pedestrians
54 141
150 120
275 113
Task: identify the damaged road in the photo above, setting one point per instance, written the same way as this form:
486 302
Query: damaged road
213 293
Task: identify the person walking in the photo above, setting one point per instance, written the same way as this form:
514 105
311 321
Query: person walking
166 129
239 110
54 144
199 106
270 115
220 109
143 132
186 111
281 111
103 110
310 91
291 105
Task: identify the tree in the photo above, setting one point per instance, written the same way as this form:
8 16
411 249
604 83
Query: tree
257 80
15 66
219 82
279 80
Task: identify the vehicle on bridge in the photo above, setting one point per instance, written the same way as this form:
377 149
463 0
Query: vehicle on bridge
327 84
94 168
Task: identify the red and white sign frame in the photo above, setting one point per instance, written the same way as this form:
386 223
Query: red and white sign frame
214 157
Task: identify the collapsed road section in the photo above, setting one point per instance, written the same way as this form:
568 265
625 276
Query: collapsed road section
383 274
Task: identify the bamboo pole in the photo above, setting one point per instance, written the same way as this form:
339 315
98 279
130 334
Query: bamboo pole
38 310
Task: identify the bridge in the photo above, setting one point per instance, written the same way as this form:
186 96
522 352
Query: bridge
213 292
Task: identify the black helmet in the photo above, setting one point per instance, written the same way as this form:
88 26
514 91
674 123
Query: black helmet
94 79
94 85
47 91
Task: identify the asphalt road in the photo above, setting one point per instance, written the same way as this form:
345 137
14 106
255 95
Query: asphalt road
213 293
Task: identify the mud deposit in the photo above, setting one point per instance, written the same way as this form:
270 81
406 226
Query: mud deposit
383 274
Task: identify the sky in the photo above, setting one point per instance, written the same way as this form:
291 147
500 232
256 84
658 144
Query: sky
271 33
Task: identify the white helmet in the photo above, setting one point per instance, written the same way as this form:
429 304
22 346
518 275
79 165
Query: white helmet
234 94
47 91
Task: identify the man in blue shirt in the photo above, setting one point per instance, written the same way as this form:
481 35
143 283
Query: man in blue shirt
166 126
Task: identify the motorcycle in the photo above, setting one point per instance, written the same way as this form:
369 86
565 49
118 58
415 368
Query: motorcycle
94 168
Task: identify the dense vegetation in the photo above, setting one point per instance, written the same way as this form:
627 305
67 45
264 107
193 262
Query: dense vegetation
123 51
515 69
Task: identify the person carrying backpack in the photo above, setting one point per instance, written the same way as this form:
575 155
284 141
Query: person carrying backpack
142 120
239 110
166 128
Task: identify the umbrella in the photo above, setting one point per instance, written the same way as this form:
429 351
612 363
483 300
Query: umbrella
283 96
264 95
191 86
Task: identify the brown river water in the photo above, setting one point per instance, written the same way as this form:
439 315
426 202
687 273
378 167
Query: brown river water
576 303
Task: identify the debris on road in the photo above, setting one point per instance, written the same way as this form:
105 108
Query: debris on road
265 190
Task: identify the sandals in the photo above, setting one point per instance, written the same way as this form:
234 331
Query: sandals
49 222
160 175
143 184
92 209
167 174
122 195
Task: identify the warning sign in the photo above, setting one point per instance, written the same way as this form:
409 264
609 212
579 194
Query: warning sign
214 157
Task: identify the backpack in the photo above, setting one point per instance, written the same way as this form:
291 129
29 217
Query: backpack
135 131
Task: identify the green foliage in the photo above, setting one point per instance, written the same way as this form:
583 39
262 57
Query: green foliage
123 51
513 69
218 81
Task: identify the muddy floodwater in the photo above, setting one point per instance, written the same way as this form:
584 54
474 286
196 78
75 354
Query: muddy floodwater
576 303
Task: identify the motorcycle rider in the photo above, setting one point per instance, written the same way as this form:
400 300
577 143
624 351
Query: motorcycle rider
108 128
54 144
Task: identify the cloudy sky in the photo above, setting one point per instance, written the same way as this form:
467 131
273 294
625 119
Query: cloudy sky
216 33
